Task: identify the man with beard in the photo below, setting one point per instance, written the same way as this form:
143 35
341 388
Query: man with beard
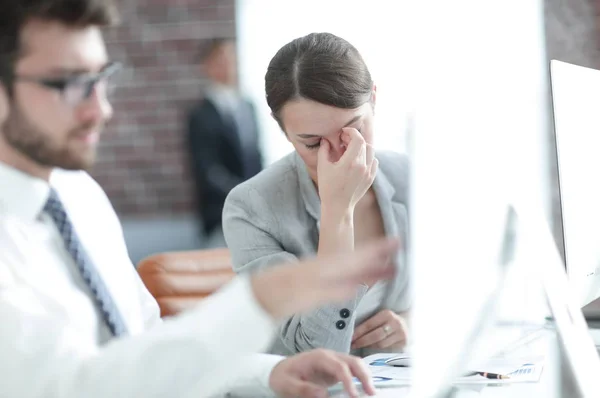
76 319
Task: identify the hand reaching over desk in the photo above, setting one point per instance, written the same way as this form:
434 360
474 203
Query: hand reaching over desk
284 291
310 374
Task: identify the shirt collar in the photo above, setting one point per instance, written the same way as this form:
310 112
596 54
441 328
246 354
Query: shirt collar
21 195
225 98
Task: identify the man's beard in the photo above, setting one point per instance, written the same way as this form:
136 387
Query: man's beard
23 136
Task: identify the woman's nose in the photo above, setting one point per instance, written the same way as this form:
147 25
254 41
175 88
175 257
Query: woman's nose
337 148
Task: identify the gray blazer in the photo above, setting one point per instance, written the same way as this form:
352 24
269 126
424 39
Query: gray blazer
273 218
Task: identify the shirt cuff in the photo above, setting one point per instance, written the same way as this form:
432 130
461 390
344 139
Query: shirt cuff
267 364
236 301
253 376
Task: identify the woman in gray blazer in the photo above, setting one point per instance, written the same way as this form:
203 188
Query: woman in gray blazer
333 193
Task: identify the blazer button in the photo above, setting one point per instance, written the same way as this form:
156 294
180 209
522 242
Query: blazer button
340 325
345 313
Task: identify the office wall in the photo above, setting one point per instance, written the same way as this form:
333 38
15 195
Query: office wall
142 162
142 165
572 35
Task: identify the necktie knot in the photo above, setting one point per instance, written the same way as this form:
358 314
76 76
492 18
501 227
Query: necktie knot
54 208
53 201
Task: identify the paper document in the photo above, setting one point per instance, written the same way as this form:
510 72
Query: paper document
519 370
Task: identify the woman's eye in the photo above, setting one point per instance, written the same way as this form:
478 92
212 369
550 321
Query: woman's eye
313 146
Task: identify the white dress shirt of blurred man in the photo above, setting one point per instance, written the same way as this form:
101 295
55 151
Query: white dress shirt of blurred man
76 319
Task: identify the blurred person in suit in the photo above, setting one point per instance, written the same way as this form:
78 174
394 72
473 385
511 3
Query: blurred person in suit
77 321
222 136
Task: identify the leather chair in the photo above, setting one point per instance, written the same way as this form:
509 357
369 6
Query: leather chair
179 280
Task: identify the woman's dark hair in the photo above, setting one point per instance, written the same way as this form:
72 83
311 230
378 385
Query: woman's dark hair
15 14
321 67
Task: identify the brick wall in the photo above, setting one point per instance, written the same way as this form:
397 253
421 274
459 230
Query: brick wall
572 35
142 164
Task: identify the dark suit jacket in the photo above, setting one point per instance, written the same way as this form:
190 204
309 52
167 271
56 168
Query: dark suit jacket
219 158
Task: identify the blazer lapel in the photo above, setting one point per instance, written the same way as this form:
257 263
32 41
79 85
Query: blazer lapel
230 130
395 222
308 190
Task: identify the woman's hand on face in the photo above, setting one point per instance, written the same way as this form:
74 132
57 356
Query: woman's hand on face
344 182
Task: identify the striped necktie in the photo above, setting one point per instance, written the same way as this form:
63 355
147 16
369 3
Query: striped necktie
55 209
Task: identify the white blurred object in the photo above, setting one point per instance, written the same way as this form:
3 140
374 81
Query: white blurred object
578 347
478 137
576 101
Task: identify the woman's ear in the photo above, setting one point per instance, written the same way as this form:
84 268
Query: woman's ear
4 104
374 94
373 98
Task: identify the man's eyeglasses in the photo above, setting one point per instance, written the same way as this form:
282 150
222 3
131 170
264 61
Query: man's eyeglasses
76 89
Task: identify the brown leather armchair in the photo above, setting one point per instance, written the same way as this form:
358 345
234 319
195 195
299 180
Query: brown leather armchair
179 280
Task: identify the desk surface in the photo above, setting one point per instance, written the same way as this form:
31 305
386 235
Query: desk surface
547 387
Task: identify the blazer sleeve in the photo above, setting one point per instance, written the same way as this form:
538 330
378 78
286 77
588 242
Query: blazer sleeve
248 226
203 140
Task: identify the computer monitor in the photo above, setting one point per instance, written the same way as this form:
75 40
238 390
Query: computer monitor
576 105
479 129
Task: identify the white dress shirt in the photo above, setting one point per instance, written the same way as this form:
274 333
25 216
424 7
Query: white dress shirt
53 342
371 302
226 99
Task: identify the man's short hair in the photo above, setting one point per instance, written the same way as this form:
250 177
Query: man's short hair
208 47
15 14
